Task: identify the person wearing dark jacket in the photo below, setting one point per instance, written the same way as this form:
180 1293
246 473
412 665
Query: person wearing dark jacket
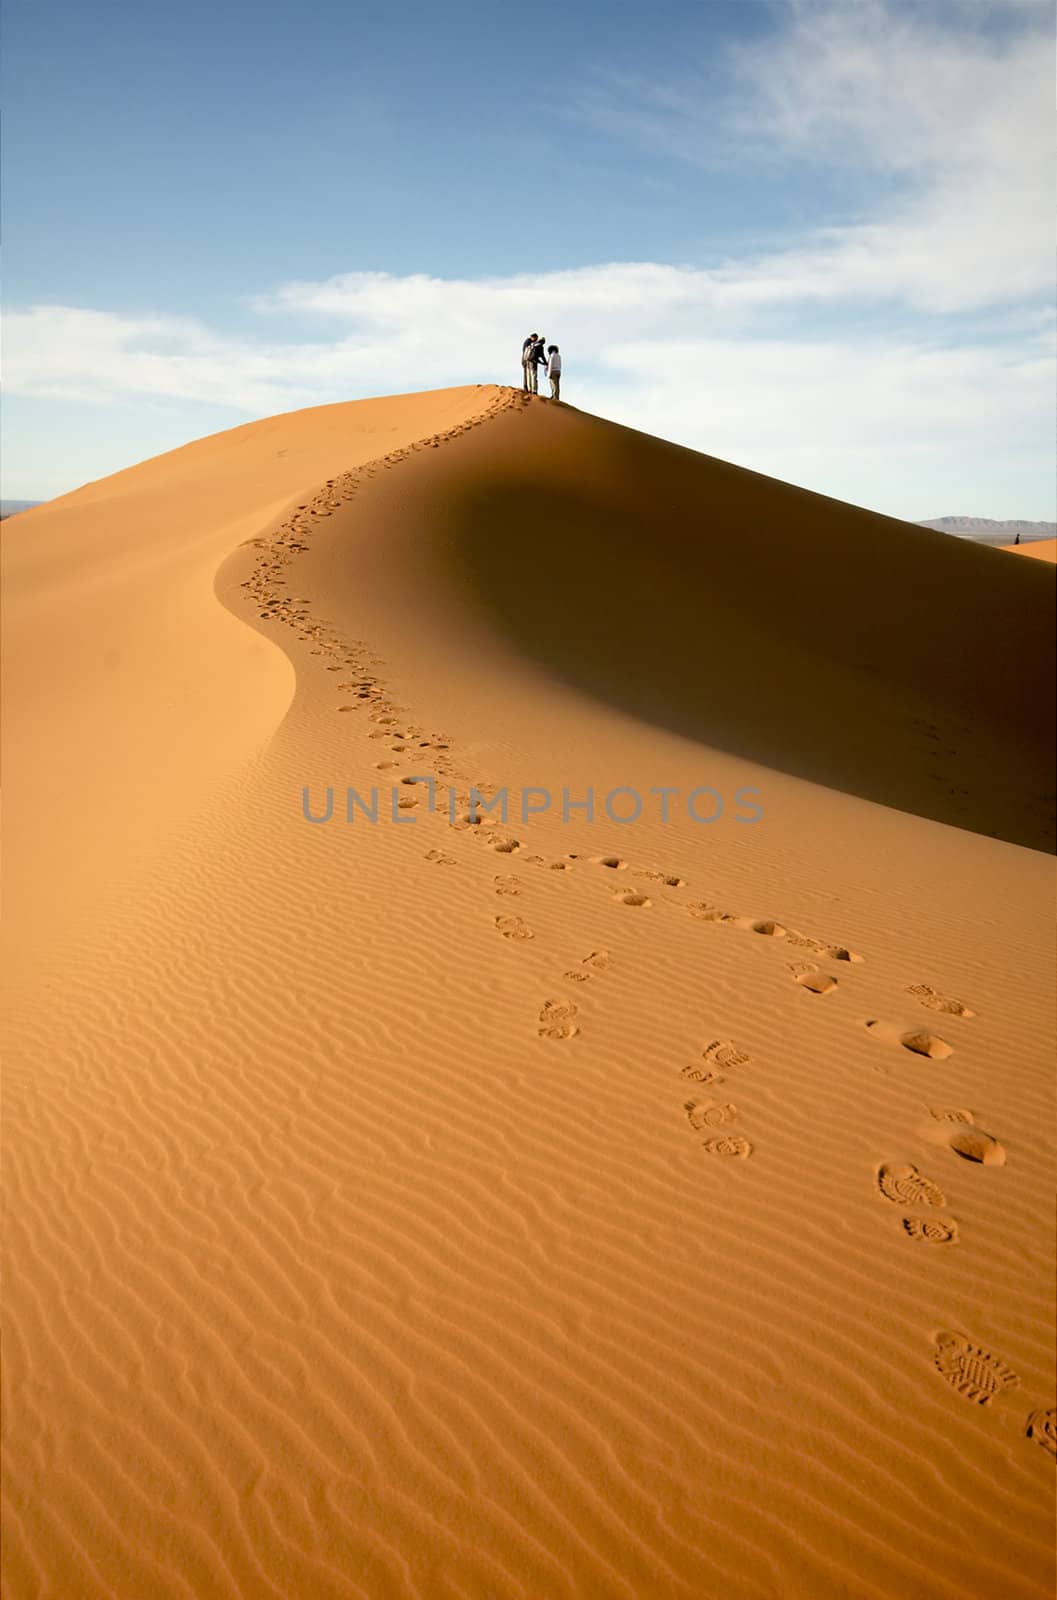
533 356
528 384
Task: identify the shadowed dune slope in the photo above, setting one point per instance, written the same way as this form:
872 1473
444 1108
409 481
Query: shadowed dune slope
859 652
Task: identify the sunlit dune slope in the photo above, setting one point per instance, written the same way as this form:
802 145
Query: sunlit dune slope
1038 549
129 693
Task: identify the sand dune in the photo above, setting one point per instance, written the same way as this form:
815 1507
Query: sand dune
521 1206
1039 550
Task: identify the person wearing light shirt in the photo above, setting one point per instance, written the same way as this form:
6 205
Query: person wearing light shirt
554 370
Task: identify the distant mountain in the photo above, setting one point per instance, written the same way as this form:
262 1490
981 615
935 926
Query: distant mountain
984 530
8 508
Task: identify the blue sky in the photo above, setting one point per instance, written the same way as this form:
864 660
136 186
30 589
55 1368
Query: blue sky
810 236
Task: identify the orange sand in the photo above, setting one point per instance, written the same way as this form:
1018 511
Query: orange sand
1039 549
522 1209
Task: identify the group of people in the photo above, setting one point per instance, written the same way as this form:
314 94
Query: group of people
534 354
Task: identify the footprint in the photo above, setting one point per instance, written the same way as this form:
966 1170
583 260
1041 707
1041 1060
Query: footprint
728 1144
505 847
514 928
919 1044
614 862
708 1114
1042 1427
954 1114
506 883
597 961
934 1230
926 1045
770 930
702 1075
837 952
706 913
722 1053
556 1020
817 982
441 857
973 1144
975 1373
671 880
908 1187
938 1002
628 897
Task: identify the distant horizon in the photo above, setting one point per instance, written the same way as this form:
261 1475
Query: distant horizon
9 508
992 529
944 523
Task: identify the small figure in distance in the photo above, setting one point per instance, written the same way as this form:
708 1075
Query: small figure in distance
554 370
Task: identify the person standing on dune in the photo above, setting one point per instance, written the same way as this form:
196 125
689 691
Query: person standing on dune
554 370
528 383
533 356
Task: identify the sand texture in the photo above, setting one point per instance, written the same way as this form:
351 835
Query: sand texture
1038 549
455 1208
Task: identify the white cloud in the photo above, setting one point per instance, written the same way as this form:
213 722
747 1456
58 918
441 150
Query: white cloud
69 353
956 119
898 427
917 90
422 332
905 425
